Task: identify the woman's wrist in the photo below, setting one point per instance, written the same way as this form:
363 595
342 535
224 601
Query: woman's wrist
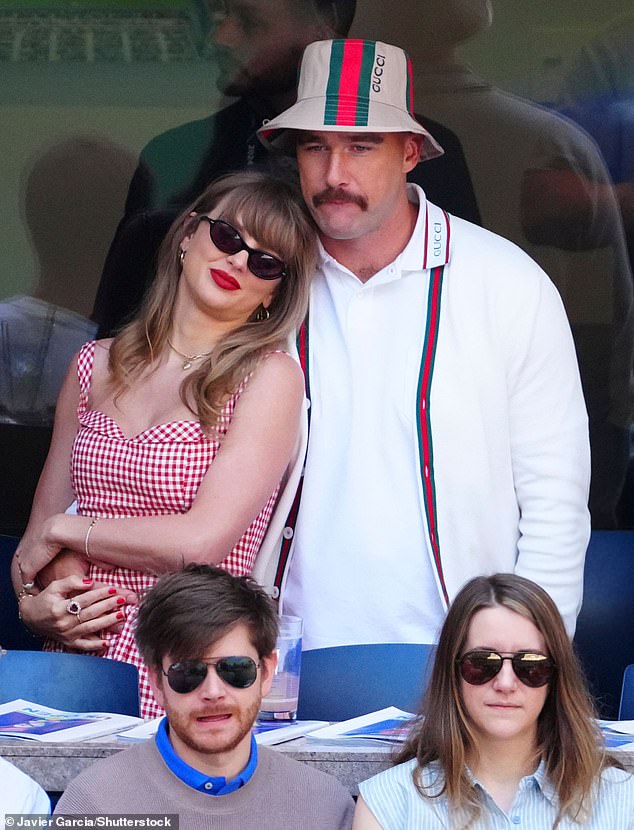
56 531
68 531
89 530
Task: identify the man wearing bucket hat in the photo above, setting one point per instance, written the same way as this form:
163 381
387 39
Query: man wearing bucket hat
448 433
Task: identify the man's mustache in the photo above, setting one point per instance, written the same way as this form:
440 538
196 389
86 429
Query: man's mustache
336 194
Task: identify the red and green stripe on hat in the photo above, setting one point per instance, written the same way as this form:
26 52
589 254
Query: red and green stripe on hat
357 72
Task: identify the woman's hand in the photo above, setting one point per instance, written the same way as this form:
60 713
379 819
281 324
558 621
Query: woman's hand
39 552
102 609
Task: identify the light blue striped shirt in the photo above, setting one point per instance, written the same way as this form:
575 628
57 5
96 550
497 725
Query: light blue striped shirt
397 804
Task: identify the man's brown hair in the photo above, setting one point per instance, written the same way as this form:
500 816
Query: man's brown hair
188 611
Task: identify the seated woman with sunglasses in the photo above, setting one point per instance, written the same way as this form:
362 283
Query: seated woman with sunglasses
174 436
506 735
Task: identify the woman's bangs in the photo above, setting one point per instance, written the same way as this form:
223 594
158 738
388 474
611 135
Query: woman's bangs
270 222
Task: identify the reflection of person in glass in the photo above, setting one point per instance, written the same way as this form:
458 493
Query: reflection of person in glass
508 734
599 94
540 182
174 437
72 193
258 45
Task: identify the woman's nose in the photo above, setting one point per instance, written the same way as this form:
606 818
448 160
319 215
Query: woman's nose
239 260
506 677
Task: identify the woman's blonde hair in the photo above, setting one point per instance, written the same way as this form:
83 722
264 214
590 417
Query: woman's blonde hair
272 212
568 740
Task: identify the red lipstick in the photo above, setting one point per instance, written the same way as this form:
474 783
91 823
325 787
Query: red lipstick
224 280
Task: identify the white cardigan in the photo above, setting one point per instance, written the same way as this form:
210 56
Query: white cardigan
511 460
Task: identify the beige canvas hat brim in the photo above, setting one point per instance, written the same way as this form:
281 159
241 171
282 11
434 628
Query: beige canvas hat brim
350 86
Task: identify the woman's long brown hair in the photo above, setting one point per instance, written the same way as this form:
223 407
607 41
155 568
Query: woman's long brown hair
567 738
273 213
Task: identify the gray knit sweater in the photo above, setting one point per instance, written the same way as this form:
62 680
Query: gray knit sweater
283 794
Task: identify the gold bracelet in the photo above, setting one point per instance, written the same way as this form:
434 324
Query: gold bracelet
21 595
88 532
19 598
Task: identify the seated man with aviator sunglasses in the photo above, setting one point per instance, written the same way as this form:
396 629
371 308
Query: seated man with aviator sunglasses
208 639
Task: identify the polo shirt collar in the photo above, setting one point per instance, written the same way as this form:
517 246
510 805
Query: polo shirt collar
429 246
198 780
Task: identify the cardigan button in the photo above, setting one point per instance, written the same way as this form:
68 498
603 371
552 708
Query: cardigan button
287 533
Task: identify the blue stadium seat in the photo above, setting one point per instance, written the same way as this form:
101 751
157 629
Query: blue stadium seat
75 682
345 681
12 633
604 638
626 709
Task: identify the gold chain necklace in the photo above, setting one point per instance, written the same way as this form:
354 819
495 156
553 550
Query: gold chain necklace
189 358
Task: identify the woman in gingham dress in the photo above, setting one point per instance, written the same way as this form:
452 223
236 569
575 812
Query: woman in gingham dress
199 377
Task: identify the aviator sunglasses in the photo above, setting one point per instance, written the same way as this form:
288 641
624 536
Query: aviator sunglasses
532 668
227 239
187 675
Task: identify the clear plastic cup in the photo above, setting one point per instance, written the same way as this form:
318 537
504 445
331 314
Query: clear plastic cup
281 701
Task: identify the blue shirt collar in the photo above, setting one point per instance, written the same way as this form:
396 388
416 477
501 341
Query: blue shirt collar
198 780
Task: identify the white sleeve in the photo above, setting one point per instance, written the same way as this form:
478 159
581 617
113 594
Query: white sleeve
19 793
549 447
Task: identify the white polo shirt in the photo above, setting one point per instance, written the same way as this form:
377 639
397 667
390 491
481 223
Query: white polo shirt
360 525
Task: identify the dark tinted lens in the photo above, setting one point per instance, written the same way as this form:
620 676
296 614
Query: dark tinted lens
239 672
478 667
225 237
265 266
186 676
533 670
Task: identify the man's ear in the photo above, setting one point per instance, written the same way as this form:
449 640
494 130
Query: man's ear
411 151
155 678
268 666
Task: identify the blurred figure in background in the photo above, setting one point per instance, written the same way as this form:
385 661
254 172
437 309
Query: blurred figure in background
73 193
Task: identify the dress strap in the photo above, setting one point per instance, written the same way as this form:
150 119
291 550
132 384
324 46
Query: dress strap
85 361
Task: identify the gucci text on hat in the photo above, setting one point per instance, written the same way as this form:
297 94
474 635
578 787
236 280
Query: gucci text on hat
349 85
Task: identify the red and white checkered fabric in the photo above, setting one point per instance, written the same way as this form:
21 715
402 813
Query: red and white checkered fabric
157 472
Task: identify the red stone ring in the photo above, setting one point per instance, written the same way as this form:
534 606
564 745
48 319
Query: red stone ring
73 607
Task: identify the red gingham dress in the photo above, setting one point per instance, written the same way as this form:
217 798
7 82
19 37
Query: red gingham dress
155 473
